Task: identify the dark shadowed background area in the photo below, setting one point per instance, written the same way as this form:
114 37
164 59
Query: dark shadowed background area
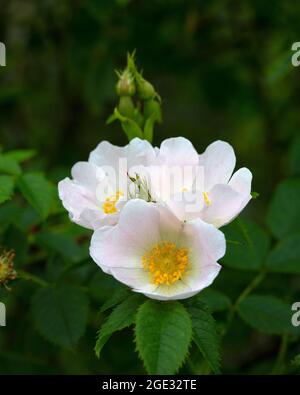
223 70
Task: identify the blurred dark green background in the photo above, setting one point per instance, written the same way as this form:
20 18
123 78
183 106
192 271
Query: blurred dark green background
222 68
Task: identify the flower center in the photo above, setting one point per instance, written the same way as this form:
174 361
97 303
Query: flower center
165 263
109 206
206 198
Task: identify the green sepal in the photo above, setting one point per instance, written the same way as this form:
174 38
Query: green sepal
152 106
130 127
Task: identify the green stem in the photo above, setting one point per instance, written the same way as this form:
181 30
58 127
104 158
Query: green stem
250 287
281 355
31 277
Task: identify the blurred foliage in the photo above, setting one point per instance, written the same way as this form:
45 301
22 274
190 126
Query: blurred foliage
223 70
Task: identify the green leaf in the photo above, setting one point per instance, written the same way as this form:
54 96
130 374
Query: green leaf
28 219
285 257
102 286
117 297
6 188
163 334
204 332
121 317
60 314
38 191
9 212
63 244
215 300
20 155
247 245
283 216
267 314
9 165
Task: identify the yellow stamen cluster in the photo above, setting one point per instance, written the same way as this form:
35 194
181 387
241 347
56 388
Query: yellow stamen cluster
109 206
206 198
165 263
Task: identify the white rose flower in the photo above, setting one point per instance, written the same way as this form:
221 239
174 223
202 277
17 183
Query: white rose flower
200 186
156 254
99 187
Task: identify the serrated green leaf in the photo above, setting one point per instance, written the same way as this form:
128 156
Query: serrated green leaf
117 297
283 216
204 332
247 245
9 165
285 257
63 244
38 191
267 314
215 300
6 188
121 317
163 334
60 314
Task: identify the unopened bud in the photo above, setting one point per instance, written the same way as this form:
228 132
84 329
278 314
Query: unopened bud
145 90
125 85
